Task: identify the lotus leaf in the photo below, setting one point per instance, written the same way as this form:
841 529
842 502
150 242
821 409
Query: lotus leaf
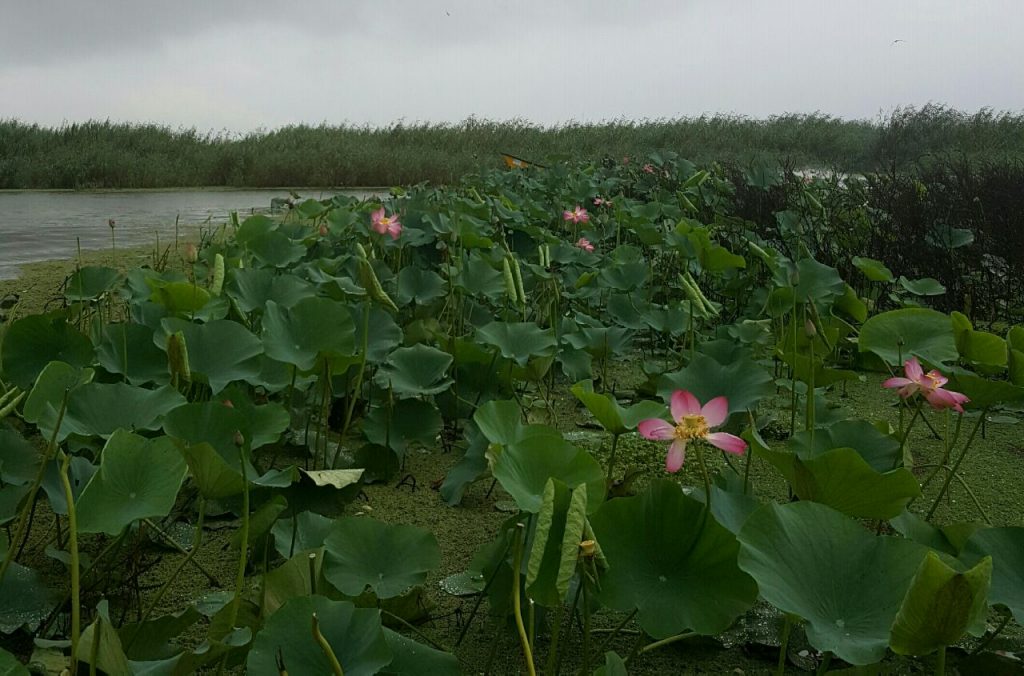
1006 547
138 478
389 559
415 371
665 559
32 342
813 562
354 634
900 334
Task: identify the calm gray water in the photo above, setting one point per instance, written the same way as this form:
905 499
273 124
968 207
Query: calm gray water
38 226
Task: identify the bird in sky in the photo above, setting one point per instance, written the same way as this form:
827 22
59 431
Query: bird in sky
897 41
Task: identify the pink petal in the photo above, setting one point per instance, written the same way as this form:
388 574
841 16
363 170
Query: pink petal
898 382
684 403
913 369
940 398
377 215
567 215
730 443
675 457
656 429
716 411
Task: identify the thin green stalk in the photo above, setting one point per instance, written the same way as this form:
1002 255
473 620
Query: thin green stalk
556 630
826 660
611 458
585 669
780 668
667 641
956 467
23 516
359 384
243 542
940 661
480 597
332 659
707 479
76 605
517 558
197 540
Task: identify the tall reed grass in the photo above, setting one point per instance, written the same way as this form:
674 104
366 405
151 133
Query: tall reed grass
98 154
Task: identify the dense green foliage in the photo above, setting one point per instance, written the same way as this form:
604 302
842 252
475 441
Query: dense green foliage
114 155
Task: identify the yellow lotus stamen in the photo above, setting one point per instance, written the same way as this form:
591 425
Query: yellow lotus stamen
691 427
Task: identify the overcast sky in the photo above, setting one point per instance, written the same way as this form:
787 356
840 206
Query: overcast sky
240 65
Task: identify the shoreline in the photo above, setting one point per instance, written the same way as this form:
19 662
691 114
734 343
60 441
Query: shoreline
37 285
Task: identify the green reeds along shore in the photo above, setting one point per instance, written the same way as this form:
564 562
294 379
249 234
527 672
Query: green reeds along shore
104 154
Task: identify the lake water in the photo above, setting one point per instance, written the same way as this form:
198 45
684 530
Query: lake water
38 225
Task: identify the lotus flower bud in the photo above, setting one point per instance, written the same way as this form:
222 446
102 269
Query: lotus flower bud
588 548
218 275
191 253
177 357
809 329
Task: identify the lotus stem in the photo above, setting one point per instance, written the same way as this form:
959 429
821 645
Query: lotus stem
312 573
666 641
197 540
826 660
940 661
611 458
332 659
956 466
23 516
780 668
243 547
358 386
481 595
516 601
76 607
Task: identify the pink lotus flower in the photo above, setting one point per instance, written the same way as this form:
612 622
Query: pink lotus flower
385 224
585 244
577 215
323 230
692 422
929 384
598 201
647 168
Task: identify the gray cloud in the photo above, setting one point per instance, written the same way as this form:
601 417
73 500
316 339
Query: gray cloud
243 65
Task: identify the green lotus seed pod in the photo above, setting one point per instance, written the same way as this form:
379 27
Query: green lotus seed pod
510 282
218 275
177 357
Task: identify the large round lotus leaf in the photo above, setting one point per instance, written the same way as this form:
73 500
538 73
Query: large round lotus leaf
251 288
940 606
25 600
90 282
138 478
263 423
811 561
220 350
211 422
926 286
881 451
99 409
901 334
478 276
179 298
982 392
524 467
410 421
386 558
305 531
819 282
518 340
354 634
411 657
415 371
19 459
10 666
384 336
743 382
419 286
1006 547
613 417
214 478
666 560
872 269
33 342
128 349
843 480
313 327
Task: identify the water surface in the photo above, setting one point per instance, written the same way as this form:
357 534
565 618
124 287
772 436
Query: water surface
44 225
